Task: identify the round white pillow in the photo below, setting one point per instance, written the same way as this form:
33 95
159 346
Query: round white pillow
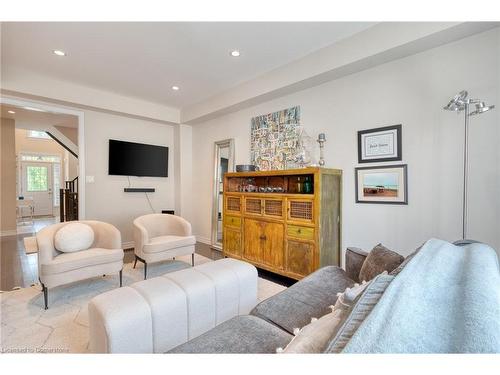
74 237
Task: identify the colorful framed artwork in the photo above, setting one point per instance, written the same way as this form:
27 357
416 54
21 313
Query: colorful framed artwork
274 138
385 184
380 144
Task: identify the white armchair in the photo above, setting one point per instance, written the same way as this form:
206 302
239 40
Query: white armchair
104 256
159 237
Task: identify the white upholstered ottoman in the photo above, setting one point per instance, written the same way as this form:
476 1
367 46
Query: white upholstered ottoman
156 315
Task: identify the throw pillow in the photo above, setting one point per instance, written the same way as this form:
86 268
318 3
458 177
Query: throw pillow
380 259
346 299
396 271
74 237
362 307
314 337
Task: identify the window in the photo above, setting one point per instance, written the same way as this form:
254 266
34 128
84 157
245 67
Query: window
45 158
38 134
37 178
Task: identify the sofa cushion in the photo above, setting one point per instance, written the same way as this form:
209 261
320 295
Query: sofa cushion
380 259
309 298
74 237
360 309
71 261
242 334
163 243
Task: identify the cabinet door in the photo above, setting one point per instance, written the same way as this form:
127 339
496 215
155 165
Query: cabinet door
232 242
273 251
232 204
300 210
300 257
264 242
253 206
253 237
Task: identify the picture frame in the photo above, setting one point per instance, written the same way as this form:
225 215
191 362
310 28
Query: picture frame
380 144
386 184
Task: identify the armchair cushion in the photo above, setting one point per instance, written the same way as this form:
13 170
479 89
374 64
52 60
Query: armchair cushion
163 243
71 261
74 237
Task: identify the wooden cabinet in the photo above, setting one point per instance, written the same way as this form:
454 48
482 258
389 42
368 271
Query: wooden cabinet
283 230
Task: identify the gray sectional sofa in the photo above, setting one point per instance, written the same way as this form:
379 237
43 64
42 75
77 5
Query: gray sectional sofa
271 323
443 298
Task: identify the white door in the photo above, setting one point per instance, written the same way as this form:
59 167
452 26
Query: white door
37 184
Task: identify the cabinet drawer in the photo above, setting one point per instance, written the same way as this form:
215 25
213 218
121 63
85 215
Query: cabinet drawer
233 221
300 232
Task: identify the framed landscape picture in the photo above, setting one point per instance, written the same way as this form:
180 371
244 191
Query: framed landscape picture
386 184
380 144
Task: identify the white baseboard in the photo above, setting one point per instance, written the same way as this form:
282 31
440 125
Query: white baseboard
128 245
12 232
204 240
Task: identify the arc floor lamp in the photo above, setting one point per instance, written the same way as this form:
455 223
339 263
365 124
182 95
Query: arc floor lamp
460 103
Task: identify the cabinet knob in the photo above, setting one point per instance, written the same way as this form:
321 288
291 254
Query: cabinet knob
299 231
263 238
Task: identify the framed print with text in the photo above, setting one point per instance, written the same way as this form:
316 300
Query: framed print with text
380 144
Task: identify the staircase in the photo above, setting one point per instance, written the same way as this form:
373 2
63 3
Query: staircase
68 205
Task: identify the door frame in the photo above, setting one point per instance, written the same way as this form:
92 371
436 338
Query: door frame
50 175
16 101
19 173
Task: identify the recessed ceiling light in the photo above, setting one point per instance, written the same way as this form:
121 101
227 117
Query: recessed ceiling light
175 88
11 112
59 52
235 53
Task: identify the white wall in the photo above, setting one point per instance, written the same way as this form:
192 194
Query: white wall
105 198
411 92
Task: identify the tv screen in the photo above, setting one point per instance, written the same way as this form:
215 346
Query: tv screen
137 159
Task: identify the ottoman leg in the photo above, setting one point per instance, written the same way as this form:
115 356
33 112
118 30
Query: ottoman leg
121 277
192 259
145 270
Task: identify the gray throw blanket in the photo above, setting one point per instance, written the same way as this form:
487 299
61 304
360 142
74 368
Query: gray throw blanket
445 300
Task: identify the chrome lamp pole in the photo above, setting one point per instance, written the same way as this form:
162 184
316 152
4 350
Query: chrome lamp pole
457 104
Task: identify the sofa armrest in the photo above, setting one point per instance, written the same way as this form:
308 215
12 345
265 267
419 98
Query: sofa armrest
354 259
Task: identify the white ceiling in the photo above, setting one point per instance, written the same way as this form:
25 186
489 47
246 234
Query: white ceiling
144 60
26 118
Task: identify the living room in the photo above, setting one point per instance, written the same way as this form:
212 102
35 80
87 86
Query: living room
277 176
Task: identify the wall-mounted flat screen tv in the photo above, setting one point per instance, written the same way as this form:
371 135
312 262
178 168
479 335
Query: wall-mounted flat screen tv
137 159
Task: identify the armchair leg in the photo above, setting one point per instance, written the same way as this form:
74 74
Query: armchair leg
45 295
145 270
192 259
121 277
135 262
